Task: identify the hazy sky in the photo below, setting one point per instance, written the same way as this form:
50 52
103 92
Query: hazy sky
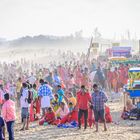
63 17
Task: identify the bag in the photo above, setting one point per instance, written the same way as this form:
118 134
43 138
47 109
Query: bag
30 95
134 114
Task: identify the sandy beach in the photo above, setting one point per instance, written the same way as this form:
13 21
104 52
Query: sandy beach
118 130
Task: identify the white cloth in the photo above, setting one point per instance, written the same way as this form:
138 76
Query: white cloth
12 90
23 100
2 93
92 75
45 101
32 80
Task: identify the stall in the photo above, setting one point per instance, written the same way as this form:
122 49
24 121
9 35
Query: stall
132 91
133 85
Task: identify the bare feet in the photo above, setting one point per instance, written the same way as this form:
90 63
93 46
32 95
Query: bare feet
79 128
26 128
22 129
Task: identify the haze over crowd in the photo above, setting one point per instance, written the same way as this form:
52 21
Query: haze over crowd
63 17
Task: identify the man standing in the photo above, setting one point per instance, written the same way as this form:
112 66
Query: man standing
45 94
99 99
83 98
9 115
24 106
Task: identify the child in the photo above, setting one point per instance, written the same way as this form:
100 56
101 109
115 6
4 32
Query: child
55 103
71 108
49 117
60 93
2 129
36 105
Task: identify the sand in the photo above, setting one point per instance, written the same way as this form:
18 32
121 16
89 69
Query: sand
118 130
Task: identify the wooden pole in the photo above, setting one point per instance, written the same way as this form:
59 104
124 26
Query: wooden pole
139 46
88 53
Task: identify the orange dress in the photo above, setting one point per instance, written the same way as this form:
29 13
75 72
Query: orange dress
115 81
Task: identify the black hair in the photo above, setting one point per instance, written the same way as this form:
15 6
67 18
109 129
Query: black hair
83 86
59 86
6 96
49 109
95 86
34 85
24 85
56 95
41 81
70 103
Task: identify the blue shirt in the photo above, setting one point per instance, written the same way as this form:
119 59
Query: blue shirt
1 125
57 80
60 93
44 90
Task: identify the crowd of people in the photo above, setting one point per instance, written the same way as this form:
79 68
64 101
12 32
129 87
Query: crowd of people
73 91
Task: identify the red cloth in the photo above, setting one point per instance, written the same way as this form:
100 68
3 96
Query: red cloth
108 116
70 117
56 122
31 113
90 117
49 117
38 106
83 100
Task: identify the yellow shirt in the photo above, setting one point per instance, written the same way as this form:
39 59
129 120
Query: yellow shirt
18 86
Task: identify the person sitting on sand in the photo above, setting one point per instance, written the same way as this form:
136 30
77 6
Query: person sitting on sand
127 109
49 117
71 116
129 106
71 107
63 110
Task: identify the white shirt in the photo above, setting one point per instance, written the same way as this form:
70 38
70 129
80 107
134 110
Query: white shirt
23 102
